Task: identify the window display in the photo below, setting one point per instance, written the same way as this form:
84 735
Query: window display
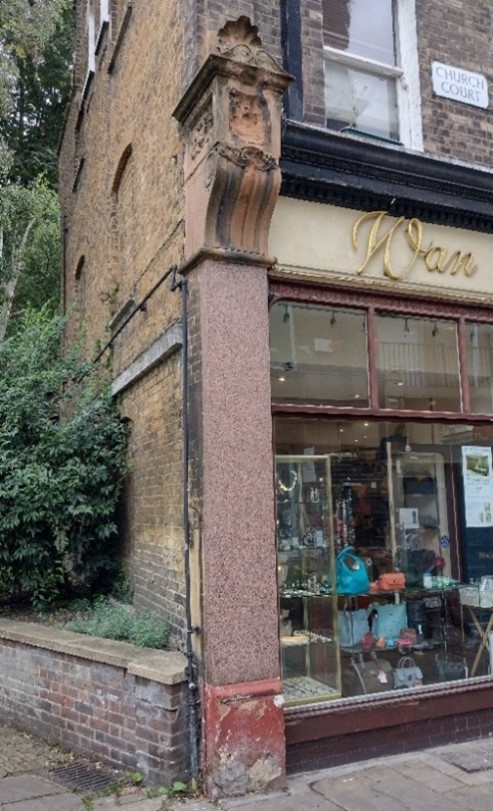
384 498
370 562
309 645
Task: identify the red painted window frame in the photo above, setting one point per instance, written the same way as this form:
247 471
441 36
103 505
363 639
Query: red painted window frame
386 304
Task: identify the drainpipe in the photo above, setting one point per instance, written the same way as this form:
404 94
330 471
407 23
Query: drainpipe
193 718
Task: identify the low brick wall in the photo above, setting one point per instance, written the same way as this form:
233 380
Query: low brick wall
122 704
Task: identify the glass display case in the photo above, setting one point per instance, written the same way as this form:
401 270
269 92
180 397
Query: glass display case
420 514
308 602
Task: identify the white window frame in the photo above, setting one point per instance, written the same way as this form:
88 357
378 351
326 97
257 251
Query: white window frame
406 74
91 38
104 22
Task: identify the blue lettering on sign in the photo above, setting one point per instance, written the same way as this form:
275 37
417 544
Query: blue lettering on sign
445 542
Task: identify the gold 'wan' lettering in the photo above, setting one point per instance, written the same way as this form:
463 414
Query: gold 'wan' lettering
435 258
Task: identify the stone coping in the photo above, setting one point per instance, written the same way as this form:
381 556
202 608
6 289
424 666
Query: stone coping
164 667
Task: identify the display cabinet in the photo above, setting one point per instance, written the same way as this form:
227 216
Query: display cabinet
308 603
420 515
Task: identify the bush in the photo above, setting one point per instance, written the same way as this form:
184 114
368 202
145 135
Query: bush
112 620
62 463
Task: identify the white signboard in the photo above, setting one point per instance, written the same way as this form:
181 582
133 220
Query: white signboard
477 473
460 85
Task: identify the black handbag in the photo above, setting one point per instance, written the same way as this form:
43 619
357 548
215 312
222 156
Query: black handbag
450 671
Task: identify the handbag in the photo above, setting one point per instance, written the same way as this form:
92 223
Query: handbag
388 619
450 671
351 573
407 674
391 581
372 676
352 627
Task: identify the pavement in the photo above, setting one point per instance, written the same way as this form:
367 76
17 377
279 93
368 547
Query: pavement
458 777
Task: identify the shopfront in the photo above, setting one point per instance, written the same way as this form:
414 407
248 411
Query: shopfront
381 372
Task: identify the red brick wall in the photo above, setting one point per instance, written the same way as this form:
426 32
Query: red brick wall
96 709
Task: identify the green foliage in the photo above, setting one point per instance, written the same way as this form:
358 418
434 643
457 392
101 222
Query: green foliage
36 45
111 620
137 778
122 589
36 54
30 255
177 788
88 802
62 446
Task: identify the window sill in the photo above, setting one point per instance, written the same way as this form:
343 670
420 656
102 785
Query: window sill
349 130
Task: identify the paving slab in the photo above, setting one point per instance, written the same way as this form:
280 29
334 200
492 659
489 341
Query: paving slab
59 802
458 777
428 775
135 802
26 787
356 792
475 798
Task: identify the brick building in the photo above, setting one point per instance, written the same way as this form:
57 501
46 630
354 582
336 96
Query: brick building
306 364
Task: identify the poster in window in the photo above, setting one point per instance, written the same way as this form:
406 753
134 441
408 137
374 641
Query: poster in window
477 473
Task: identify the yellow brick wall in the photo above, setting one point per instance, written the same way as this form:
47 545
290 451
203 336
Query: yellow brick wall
122 199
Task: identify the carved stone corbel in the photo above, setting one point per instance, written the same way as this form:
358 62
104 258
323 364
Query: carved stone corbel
231 120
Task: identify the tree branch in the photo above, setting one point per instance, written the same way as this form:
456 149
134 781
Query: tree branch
9 286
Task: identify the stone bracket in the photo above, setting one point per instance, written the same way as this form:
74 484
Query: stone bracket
231 122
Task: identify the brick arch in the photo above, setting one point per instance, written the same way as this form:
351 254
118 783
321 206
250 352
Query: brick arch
120 169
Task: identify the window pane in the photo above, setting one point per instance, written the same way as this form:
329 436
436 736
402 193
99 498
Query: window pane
318 355
480 367
360 99
361 27
414 498
417 364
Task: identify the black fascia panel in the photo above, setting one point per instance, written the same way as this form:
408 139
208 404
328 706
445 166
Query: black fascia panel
328 167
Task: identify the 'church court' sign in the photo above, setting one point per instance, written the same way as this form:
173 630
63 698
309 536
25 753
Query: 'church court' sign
460 85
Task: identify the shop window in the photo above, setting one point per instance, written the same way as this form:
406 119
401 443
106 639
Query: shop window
417 364
319 355
407 505
403 503
479 341
371 69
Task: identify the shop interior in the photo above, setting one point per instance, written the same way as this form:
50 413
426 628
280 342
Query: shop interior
384 522
407 499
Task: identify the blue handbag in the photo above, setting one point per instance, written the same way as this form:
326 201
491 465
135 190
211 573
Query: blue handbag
388 619
351 574
352 627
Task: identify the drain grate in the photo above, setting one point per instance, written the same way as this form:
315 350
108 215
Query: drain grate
84 776
477 760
